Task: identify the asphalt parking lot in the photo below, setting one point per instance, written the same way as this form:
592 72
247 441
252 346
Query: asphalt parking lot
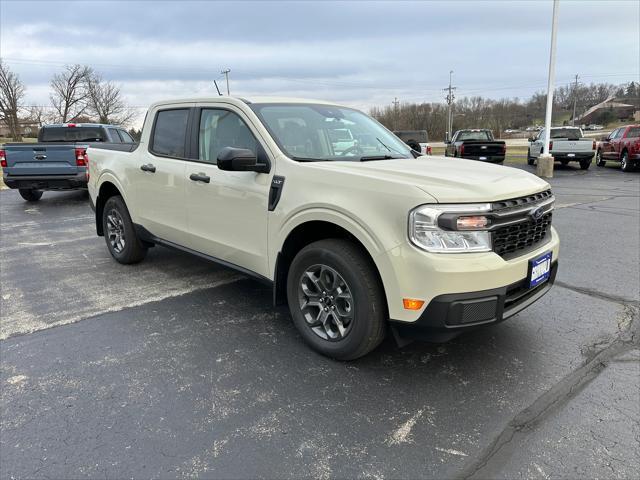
180 368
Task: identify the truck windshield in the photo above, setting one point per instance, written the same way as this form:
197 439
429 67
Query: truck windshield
481 136
307 132
71 134
568 133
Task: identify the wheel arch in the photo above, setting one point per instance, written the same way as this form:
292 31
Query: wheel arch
108 188
306 233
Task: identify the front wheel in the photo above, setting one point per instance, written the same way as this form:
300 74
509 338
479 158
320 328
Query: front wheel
599 161
30 195
336 299
530 159
624 162
120 234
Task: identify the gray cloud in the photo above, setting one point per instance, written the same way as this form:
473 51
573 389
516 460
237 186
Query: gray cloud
361 53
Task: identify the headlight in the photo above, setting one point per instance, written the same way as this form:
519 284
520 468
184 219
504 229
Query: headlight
425 233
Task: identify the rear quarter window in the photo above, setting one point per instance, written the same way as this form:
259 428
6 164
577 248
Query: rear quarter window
170 132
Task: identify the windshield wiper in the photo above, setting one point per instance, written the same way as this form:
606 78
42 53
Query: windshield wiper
380 157
306 159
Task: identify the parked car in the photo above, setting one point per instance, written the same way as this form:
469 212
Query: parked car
622 145
594 127
476 144
58 161
511 131
418 140
354 242
567 144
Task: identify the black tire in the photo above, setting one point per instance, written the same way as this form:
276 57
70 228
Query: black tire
116 218
599 161
530 159
358 277
30 195
585 164
625 166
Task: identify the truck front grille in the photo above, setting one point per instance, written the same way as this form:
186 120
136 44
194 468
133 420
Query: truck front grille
522 232
525 235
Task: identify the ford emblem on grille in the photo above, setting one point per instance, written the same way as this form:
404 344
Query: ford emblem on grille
536 213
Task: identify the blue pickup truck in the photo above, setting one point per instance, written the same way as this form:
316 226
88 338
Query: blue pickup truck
58 161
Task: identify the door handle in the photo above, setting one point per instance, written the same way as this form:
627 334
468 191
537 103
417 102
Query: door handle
148 168
200 177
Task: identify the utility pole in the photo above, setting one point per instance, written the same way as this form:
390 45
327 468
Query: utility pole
226 75
395 102
575 99
450 98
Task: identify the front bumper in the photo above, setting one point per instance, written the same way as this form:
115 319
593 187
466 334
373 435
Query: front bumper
449 315
408 272
47 182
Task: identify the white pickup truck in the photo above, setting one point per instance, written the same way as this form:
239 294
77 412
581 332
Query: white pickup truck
567 144
357 241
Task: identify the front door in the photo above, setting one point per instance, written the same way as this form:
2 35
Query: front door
227 211
607 146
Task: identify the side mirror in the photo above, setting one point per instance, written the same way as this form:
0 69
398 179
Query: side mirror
447 142
531 139
240 160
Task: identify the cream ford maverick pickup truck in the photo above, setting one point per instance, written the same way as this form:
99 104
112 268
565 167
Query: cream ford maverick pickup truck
356 240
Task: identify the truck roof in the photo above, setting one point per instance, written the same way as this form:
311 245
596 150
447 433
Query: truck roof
239 100
73 124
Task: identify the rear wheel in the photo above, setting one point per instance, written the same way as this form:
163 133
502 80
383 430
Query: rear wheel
119 232
585 164
624 162
30 195
599 161
336 300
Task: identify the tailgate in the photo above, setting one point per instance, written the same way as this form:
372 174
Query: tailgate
572 146
40 160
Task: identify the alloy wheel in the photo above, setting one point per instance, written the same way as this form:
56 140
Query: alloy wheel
115 231
326 302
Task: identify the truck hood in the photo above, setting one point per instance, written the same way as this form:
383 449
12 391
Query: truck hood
448 179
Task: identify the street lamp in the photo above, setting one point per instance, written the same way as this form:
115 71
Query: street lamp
545 161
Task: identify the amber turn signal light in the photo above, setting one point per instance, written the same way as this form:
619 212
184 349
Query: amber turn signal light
472 223
412 303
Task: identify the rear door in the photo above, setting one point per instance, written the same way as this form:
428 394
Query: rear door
158 175
227 211
38 159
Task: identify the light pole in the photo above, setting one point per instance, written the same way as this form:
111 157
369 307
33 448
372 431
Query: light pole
545 161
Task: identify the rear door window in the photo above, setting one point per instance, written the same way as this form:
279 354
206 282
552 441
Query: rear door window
633 132
115 138
170 133
126 138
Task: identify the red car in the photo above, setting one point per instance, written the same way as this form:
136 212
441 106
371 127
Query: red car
622 145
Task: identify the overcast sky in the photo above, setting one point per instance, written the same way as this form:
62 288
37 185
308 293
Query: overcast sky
358 53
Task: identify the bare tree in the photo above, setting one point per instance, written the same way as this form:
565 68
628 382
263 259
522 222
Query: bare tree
11 95
70 92
106 102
